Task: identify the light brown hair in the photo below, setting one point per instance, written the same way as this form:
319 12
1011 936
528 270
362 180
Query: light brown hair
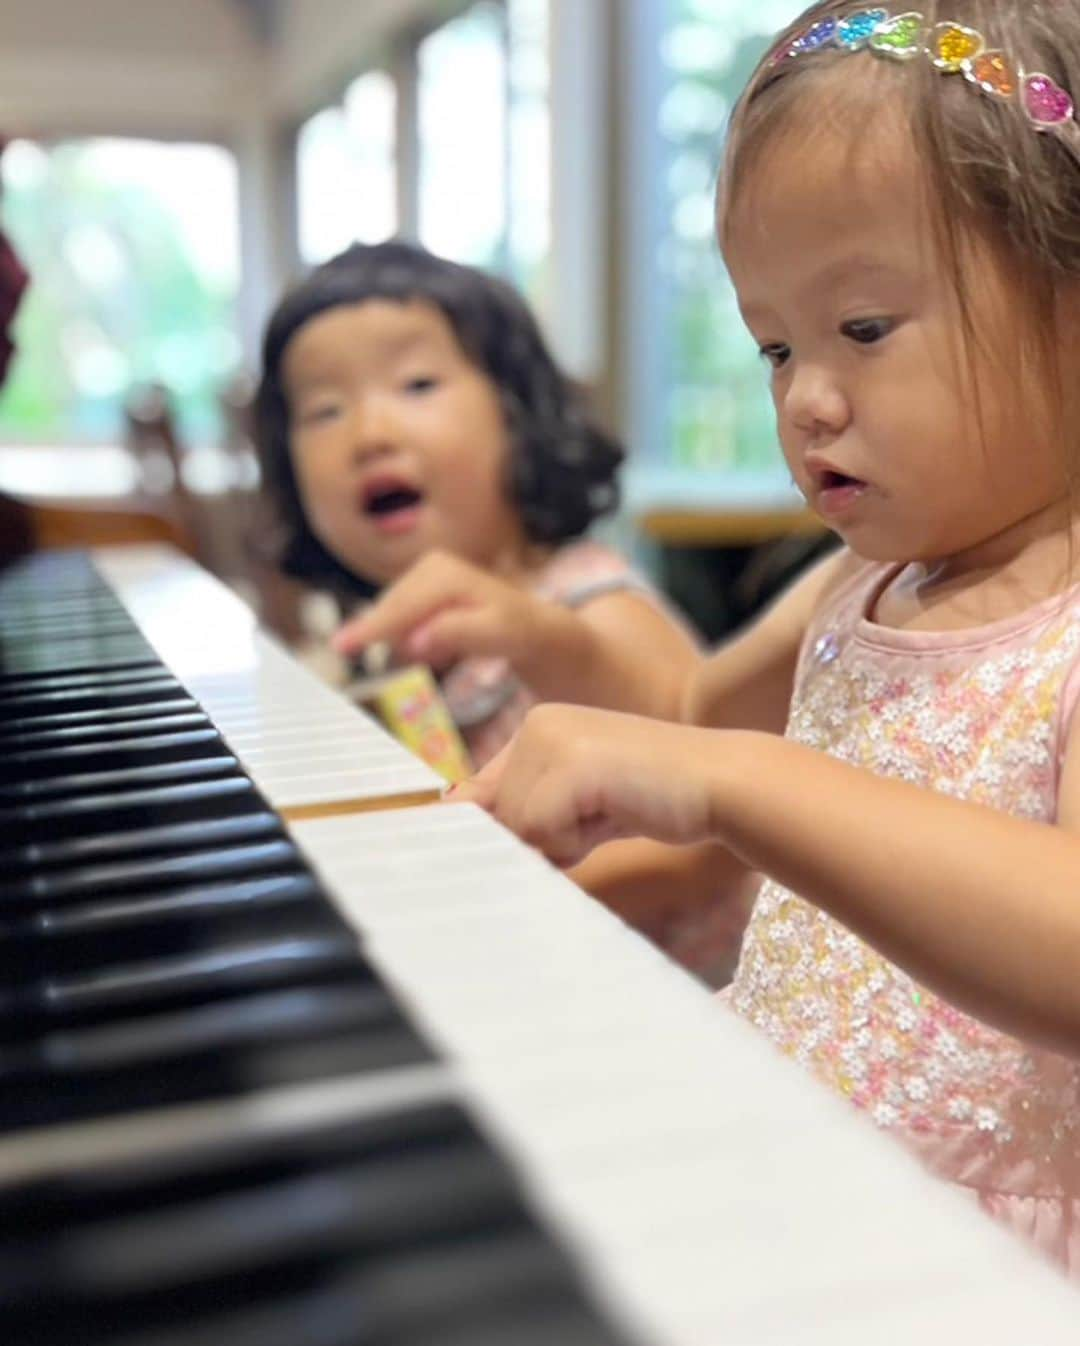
987 175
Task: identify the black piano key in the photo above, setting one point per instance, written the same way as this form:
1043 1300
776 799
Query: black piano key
401 1199
86 610
42 602
147 750
33 704
182 767
400 1227
342 1316
39 605
118 653
120 778
101 627
63 677
122 929
67 680
71 652
79 1055
104 628
82 618
471 1290
227 1163
55 682
83 816
563 1316
236 1047
166 870
101 725
223 969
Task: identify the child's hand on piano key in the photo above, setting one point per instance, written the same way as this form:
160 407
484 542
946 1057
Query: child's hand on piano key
444 609
574 777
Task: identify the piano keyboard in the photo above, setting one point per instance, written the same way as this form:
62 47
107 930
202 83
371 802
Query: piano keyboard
303 745
311 1074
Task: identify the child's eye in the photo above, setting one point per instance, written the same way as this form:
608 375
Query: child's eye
421 383
776 353
868 330
316 414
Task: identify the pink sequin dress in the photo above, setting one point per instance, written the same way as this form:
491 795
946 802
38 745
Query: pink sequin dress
980 714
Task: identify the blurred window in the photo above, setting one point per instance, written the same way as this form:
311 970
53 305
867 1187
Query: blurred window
711 411
346 170
529 147
462 104
478 97
132 247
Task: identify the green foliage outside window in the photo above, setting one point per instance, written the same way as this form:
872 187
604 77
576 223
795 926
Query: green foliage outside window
718 414
118 296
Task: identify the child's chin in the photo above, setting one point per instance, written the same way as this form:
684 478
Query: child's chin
873 549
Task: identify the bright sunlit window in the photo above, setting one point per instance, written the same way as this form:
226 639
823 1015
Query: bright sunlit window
529 135
346 173
714 413
132 246
463 156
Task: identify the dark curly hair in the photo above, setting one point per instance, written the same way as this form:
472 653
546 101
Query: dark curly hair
561 471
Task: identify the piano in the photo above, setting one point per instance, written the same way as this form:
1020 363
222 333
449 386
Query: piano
293 1055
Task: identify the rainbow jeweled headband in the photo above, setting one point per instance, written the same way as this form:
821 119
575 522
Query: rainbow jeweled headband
952 49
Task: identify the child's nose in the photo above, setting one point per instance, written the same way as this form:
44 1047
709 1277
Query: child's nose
814 401
371 429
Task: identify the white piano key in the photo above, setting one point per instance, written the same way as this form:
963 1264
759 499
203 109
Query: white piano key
712 1191
304 745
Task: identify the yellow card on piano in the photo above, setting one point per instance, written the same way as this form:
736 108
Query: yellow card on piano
409 704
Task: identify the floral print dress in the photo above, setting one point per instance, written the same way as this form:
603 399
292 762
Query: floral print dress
982 715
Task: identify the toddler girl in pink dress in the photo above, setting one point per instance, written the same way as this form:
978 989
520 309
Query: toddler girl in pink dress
896 745
423 450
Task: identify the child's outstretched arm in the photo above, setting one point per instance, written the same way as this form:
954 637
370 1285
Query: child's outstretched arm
981 906
616 650
747 684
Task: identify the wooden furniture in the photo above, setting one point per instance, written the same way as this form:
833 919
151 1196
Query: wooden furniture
726 528
28 524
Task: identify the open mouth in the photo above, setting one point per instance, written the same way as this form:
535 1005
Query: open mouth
837 493
392 504
391 500
386 495
838 481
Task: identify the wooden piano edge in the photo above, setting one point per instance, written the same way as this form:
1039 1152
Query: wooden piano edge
336 808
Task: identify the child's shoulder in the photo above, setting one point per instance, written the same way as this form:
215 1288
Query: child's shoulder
580 573
837 579
580 565
844 573
831 595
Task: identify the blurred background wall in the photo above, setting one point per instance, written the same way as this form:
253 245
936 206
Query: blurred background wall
171 166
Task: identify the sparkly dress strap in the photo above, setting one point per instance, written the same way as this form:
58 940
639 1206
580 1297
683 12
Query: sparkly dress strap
840 610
